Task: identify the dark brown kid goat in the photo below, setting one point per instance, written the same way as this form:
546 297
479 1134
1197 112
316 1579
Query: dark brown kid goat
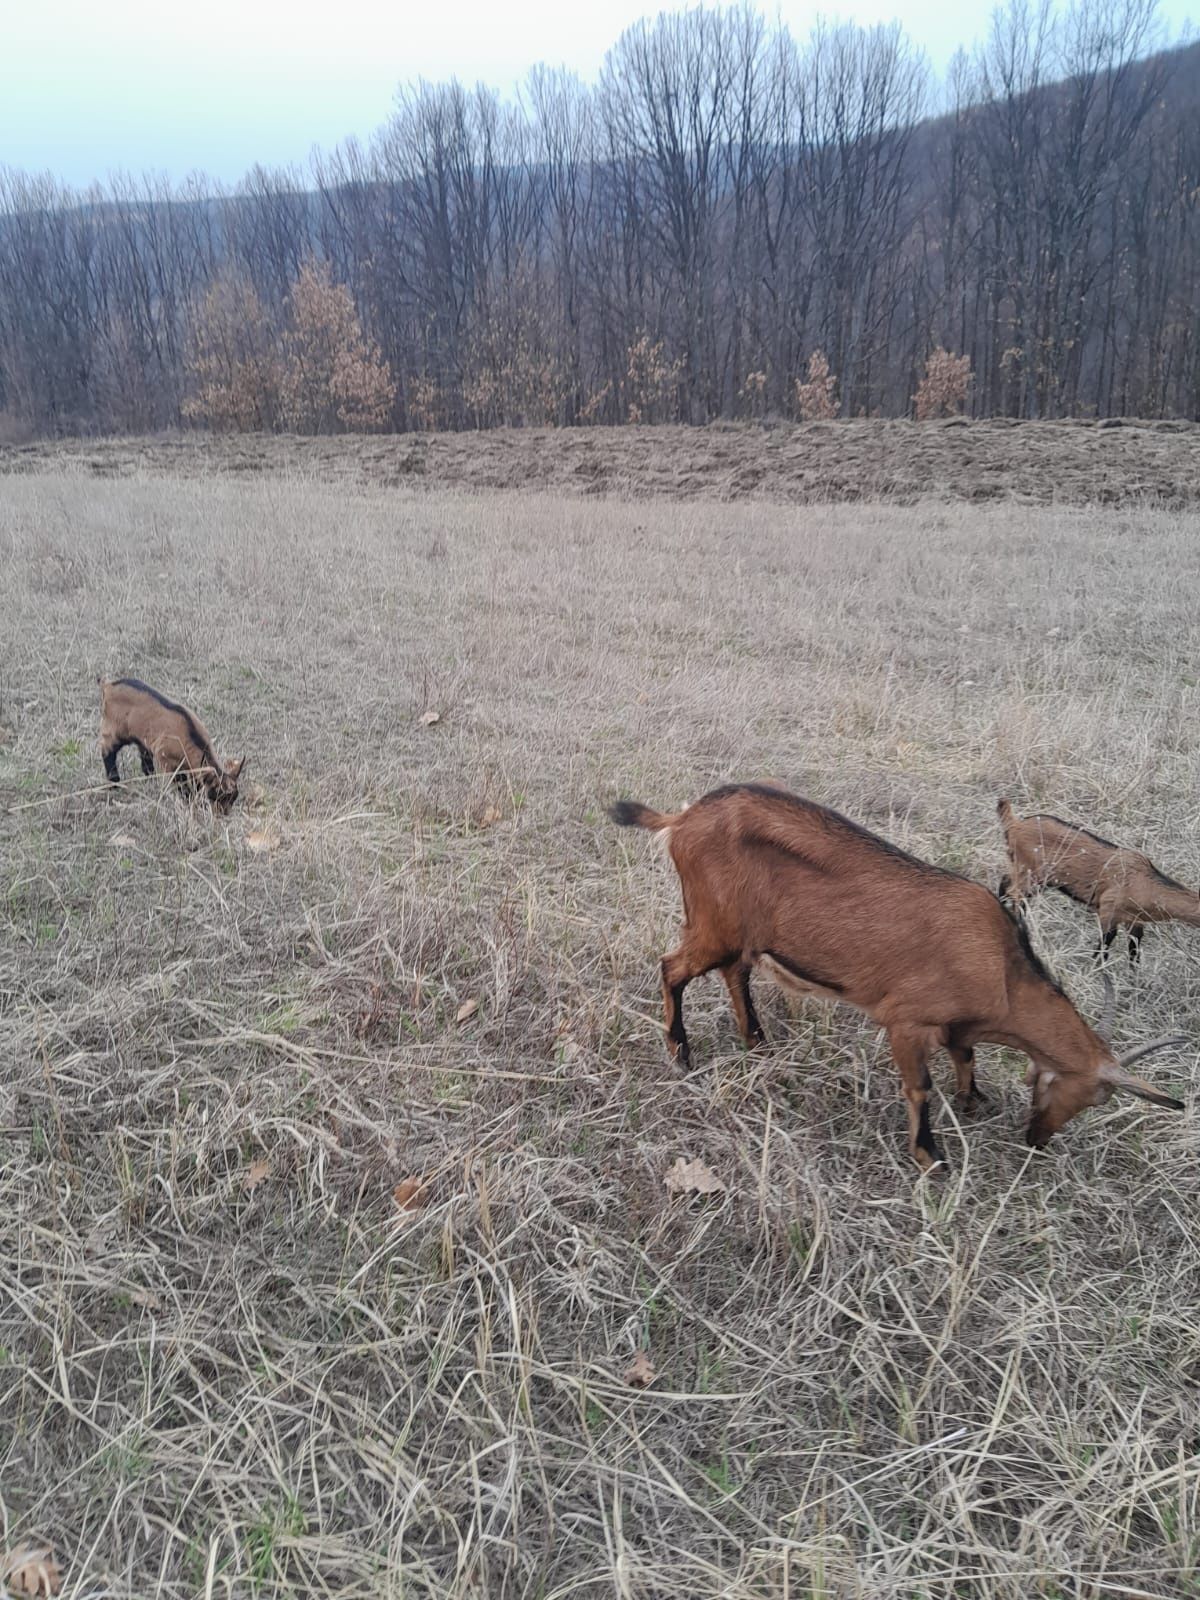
171 740
832 910
1121 886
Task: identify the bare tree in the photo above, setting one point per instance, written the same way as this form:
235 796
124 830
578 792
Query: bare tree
678 241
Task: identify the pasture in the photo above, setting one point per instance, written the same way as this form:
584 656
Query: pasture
334 1135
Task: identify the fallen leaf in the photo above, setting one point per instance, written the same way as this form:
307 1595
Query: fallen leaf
408 1195
490 817
261 840
31 1570
258 1171
428 718
467 1009
640 1371
146 1298
692 1177
122 841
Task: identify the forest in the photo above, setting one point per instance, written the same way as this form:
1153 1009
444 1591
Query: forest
728 223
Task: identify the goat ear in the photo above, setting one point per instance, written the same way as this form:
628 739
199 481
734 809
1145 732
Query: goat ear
234 768
1130 1084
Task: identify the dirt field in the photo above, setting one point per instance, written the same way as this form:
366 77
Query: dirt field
334 1136
1068 463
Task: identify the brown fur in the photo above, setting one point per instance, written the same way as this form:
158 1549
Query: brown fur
831 909
171 740
1122 886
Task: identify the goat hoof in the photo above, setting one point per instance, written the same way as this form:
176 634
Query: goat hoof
972 1104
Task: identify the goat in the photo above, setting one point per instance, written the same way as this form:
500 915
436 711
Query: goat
171 740
1122 886
833 910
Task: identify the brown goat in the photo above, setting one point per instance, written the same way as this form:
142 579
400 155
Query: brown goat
832 910
171 740
1121 886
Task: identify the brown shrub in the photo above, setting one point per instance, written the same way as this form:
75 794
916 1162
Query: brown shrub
317 374
515 370
425 405
818 398
233 365
649 379
753 393
332 373
942 392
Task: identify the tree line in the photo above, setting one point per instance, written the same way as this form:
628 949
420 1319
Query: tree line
728 223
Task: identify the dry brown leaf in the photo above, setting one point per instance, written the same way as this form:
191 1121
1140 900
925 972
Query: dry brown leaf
262 840
257 1172
490 817
428 718
146 1298
692 1177
31 1570
122 841
409 1194
640 1371
467 1009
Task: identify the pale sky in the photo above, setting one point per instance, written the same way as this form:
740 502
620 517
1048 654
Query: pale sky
88 87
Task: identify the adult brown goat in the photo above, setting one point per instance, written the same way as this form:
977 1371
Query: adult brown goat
1122 886
171 740
833 910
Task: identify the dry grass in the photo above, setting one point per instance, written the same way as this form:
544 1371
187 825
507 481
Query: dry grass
816 463
867 1385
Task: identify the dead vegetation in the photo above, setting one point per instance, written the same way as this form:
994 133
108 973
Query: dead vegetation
1036 463
356 1237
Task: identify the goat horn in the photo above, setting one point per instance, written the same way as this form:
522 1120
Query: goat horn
1136 1054
1109 1015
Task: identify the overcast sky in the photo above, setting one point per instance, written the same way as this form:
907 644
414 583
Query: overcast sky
88 87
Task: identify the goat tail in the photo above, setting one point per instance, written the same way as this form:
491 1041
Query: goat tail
632 814
1005 812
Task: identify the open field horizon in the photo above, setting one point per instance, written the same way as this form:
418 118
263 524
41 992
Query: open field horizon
334 1134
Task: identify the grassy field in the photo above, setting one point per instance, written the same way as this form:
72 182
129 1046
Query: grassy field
334 1135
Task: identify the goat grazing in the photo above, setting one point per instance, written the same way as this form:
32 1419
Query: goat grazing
1122 886
171 740
832 910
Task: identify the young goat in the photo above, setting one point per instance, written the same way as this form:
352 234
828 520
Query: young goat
832 910
1121 886
171 740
